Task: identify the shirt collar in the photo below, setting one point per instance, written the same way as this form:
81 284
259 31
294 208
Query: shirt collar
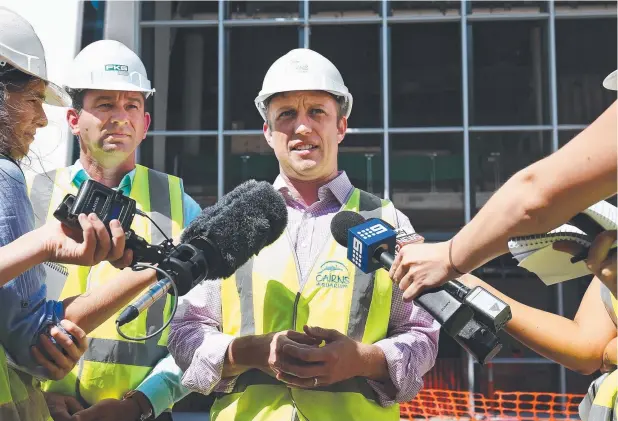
339 187
78 175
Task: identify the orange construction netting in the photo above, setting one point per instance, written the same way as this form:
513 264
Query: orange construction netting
511 406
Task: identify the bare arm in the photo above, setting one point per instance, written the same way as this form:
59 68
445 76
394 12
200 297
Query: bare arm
535 200
544 195
577 344
55 242
22 254
92 308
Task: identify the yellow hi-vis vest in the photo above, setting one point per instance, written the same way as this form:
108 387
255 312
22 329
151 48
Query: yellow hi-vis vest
261 297
20 396
600 403
113 365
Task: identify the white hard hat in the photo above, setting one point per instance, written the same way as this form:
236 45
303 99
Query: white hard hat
108 65
21 48
611 81
303 69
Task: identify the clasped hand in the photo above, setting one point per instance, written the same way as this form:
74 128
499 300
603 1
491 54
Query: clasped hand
59 363
297 359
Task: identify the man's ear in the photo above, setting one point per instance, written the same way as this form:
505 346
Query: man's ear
73 120
342 126
147 121
268 135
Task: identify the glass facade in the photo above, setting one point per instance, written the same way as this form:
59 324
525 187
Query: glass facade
450 99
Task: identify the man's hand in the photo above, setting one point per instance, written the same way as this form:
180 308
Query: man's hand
110 410
341 358
418 267
277 358
62 407
87 247
262 352
600 261
60 363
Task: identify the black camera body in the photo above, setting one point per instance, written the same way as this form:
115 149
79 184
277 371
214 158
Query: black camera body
94 197
109 204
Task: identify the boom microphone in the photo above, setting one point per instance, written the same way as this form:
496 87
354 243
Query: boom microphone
220 240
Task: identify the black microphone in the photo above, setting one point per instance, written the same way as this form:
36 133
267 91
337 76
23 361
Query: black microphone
366 249
220 240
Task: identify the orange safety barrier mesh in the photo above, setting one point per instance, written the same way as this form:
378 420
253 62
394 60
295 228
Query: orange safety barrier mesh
503 406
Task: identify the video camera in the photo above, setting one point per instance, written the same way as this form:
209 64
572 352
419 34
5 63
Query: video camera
94 197
182 262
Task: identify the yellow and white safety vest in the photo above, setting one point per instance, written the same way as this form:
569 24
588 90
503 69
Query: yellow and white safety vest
20 395
113 365
265 296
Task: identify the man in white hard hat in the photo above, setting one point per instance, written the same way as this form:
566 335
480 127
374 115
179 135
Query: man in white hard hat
116 379
255 337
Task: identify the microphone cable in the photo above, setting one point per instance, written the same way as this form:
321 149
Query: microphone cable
143 266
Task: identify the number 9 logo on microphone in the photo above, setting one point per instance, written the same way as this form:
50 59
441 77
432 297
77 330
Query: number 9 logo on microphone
363 241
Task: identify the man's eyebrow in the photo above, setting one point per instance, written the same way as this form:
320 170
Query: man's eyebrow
100 97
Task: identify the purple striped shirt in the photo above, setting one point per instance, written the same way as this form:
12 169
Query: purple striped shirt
199 346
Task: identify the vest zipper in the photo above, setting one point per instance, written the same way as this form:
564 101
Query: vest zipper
301 286
300 280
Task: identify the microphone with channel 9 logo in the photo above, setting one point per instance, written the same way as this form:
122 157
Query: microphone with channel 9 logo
371 244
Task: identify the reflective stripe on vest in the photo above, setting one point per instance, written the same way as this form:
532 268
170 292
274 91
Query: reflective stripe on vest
600 404
20 397
260 298
112 365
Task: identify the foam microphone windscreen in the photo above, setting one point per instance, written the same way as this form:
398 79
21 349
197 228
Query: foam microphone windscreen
238 226
342 222
228 198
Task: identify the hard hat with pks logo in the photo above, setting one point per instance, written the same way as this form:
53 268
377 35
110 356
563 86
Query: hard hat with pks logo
109 65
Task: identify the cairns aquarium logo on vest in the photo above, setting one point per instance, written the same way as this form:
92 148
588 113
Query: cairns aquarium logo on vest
333 274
